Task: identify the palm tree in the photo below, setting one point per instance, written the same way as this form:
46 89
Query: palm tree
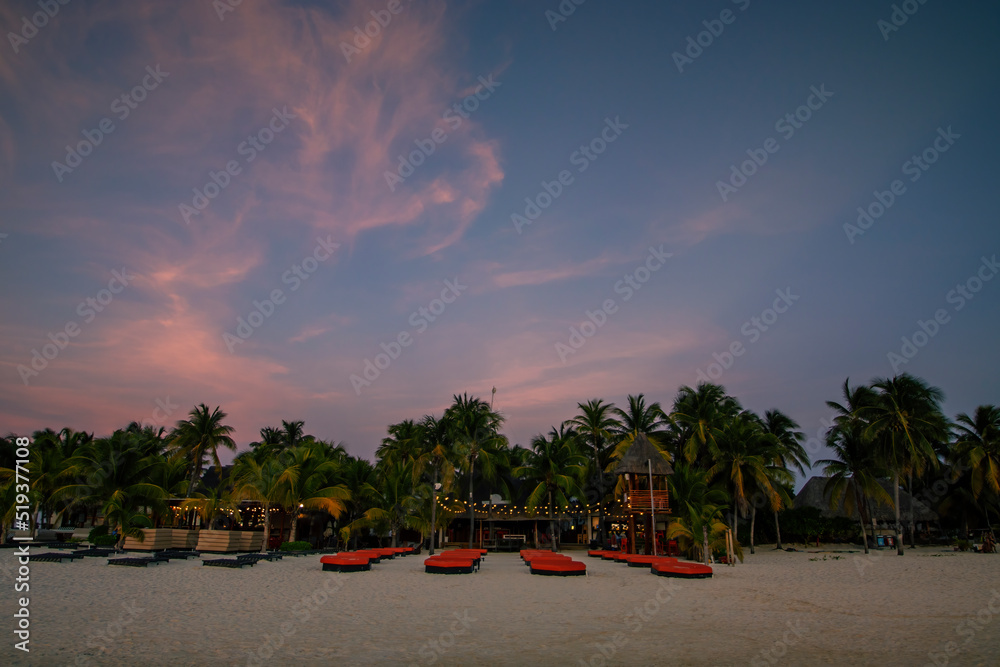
741 455
596 425
359 476
435 453
312 482
698 513
977 445
201 434
260 481
394 503
114 473
701 414
216 502
638 418
474 429
906 420
788 453
556 466
856 467
402 444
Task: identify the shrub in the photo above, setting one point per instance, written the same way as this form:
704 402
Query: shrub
963 545
295 546
104 541
97 531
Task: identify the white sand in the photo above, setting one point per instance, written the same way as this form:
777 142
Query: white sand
887 609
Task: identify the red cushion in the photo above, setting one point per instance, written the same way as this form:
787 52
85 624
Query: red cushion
556 566
684 570
345 559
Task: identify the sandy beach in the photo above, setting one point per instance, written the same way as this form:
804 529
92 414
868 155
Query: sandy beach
811 607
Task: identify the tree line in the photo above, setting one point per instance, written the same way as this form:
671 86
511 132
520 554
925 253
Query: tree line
729 462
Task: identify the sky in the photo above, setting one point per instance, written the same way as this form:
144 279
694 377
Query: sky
261 207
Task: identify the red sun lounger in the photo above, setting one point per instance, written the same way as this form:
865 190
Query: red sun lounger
642 560
558 568
448 565
346 562
597 553
682 570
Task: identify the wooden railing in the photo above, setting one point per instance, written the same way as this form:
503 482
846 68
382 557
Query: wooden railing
640 501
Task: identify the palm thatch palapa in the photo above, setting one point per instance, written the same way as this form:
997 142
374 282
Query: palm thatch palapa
815 494
645 471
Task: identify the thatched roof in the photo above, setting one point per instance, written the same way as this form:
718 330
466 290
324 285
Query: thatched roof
814 494
637 459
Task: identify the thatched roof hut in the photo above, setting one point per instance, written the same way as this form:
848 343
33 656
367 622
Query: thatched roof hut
638 457
814 494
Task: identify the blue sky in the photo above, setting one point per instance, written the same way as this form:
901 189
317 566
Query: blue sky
320 182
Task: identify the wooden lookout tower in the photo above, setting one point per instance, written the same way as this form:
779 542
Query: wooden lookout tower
644 471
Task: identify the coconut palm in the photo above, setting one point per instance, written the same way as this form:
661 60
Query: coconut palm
700 414
855 472
595 425
113 470
977 445
699 507
788 452
260 481
906 421
741 457
556 466
435 454
474 429
312 481
402 445
216 502
201 434
393 505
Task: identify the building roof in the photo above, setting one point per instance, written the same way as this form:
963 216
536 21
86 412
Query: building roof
638 456
814 494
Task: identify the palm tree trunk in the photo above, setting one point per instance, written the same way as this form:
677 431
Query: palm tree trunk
753 521
267 527
736 521
913 529
861 518
472 507
895 490
552 525
600 492
434 509
295 524
704 548
777 528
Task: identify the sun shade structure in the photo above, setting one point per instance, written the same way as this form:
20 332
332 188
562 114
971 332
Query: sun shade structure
645 471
